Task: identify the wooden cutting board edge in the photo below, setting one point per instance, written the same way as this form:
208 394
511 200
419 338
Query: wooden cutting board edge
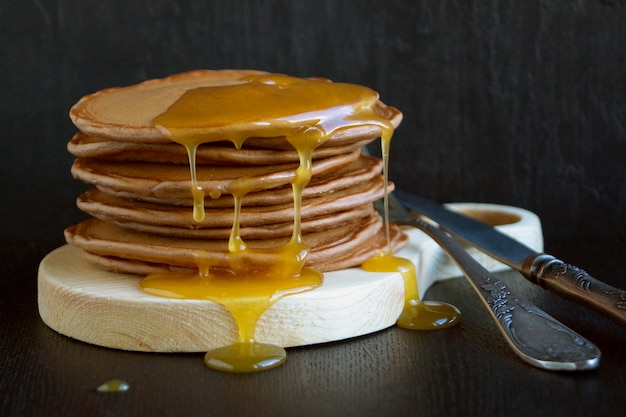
108 309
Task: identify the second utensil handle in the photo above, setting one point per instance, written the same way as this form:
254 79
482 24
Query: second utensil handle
576 284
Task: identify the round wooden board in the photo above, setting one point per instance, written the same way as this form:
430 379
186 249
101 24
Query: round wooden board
109 309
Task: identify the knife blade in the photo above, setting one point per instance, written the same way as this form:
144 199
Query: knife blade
553 274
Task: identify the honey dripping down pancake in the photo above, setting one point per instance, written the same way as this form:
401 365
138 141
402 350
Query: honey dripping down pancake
260 108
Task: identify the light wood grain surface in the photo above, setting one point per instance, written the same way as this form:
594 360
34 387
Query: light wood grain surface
108 309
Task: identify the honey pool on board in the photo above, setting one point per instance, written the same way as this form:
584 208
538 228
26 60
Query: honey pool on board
306 113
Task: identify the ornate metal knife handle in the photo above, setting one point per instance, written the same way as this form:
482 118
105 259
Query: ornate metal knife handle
575 283
536 337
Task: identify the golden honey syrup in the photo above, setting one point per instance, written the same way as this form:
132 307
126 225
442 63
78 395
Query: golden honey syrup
113 385
307 113
416 314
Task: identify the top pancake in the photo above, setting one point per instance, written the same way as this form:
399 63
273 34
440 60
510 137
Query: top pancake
127 113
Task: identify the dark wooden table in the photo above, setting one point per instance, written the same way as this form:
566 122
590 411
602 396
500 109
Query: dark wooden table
464 371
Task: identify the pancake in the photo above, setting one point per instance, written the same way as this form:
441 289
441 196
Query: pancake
127 113
85 146
358 256
364 169
125 251
328 247
172 180
251 232
317 213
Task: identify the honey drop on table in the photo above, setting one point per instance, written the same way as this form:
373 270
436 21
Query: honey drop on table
113 385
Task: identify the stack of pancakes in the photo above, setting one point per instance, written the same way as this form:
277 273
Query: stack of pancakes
141 203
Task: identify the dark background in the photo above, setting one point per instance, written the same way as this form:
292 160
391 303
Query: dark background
520 103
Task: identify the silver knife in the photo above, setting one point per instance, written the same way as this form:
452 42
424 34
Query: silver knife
543 269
